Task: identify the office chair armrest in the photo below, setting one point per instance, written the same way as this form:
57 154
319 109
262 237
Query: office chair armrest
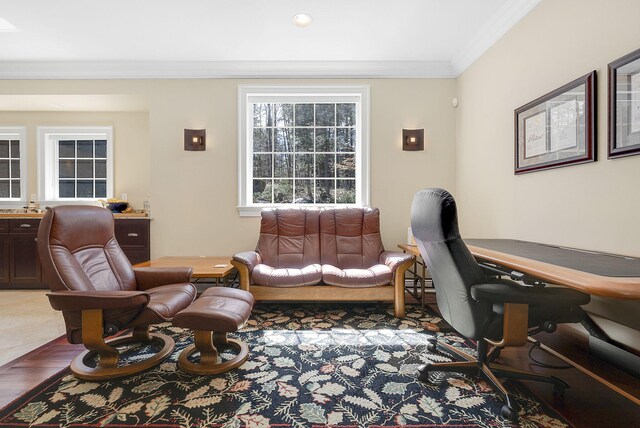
505 291
249 258
394 259
148 277
81 300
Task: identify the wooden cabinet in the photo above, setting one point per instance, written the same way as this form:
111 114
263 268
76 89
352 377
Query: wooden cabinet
24 263
133 235
19 260
4 252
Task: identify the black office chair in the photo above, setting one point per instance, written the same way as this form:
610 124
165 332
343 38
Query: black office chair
487 310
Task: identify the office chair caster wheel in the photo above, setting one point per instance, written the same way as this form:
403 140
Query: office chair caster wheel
423 373
509 413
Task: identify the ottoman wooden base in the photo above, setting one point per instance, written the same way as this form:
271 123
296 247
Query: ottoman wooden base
215 313
208 343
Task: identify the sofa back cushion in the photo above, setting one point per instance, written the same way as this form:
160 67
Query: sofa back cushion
289 237
350 237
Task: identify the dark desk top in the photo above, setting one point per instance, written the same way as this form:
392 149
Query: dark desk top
586 261
600 274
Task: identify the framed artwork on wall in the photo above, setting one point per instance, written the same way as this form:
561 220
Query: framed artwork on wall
624 106
557 129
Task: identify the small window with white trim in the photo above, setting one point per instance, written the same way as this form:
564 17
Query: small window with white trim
75 163
303 146
13 165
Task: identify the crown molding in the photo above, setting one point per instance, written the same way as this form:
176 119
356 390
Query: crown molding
222 69
491 32
508 15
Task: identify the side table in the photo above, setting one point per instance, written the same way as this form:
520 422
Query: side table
417 274
204 268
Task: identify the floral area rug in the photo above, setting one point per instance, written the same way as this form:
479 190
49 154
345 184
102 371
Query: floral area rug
309 366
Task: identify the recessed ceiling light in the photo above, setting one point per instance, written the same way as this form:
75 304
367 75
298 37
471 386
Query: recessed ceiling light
302 19
6 26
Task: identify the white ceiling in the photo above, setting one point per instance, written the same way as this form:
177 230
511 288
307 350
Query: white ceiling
248 38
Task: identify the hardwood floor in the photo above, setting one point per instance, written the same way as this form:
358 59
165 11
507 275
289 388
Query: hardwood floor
587 403
37 325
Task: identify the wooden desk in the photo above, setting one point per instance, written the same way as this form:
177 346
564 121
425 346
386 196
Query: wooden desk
599 274
213 267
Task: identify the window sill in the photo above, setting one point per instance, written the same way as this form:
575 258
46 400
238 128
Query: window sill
254 211
55 203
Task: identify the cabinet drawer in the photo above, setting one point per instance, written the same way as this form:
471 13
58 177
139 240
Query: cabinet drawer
132 233
4 226
25 225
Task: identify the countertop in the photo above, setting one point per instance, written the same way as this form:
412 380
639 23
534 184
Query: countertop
141 216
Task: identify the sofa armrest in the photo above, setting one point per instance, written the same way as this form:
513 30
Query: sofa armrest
251 259
82 300
245 262
394 259
149 277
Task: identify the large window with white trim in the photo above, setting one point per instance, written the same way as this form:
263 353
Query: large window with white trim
13 164
303 146
75 163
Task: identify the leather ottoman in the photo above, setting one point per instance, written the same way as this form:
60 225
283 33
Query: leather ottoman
215 313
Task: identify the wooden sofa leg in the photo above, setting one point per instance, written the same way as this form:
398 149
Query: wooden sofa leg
243 270
398 301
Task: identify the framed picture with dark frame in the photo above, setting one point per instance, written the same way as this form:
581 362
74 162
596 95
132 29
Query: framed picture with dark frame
558 129
624 106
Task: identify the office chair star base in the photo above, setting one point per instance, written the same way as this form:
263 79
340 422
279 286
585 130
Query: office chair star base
489 371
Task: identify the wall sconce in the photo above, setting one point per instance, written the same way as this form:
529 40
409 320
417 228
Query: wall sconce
195 140
412 139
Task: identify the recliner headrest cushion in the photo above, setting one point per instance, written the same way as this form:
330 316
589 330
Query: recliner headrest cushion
73 234
434 216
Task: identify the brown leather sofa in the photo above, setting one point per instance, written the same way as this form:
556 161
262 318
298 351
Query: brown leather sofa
333 254
100 294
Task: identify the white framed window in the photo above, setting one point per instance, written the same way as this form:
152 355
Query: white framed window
13 165
303 145
75 164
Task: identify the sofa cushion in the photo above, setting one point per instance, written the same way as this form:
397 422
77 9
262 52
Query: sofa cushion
350 237
289 237
286 277
374 276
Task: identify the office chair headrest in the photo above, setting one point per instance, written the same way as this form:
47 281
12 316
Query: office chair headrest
434 216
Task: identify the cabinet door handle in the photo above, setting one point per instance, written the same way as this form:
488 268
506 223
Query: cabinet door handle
25 225
132 234
35 239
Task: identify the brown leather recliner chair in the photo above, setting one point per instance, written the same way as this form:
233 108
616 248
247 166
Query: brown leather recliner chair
100 294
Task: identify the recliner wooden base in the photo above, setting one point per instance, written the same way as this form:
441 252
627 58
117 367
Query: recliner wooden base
205 343
107 353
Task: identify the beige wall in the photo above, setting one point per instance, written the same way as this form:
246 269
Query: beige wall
130 135
194 194
206 183
592 206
